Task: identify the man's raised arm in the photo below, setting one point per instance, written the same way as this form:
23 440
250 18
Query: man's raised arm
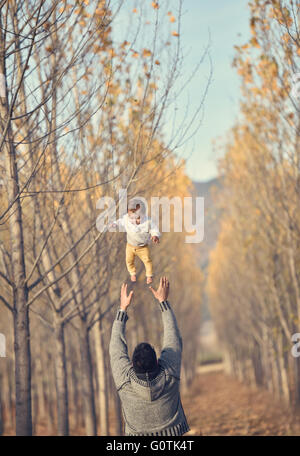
118 351
172 341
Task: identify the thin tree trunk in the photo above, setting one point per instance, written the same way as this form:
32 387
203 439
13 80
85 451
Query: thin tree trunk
283 372
297 380
22 363
87 382
61 380
76 397
40 388
103 396
20 291
1 407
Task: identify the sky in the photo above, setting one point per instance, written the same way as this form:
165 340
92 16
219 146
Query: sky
227 21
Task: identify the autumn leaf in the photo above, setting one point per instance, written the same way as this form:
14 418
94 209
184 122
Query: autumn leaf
155 5
157 62
175 33
134 10
172 19
254 42
147 53
285 37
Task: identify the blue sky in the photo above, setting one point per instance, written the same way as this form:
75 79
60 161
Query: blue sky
228 23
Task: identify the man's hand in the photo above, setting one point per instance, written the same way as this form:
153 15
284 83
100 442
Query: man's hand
155 239
162 292
125 300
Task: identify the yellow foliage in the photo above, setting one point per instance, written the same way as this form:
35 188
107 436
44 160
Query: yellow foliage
147 53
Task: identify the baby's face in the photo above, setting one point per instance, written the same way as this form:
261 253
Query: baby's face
133 213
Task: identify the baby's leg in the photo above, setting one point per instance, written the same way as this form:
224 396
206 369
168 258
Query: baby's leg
144 254
130 257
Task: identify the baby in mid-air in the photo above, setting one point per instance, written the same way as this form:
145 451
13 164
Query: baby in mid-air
140 230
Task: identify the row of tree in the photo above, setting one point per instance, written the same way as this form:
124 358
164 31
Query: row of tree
254 274
82 112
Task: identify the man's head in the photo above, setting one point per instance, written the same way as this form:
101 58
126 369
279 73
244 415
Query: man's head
144 359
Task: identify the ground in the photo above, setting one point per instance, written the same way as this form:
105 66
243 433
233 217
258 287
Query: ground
217 404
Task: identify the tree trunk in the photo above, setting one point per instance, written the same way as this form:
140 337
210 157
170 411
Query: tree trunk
87 382
257 365
297 380
283 371
1 407
76 393
61 381
40 388
22 366
103 396
20 293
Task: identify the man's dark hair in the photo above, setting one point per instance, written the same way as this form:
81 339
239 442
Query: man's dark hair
144 358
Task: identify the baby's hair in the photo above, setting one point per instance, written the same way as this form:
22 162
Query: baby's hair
136 207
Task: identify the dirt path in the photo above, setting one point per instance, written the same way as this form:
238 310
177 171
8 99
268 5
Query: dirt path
220 405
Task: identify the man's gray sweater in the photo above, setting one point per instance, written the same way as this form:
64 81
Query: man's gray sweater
150 407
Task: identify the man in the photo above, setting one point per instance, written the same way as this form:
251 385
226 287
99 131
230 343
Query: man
149 388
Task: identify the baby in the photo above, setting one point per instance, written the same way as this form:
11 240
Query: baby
140 229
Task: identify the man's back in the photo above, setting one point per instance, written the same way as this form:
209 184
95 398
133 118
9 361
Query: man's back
150 407
153 406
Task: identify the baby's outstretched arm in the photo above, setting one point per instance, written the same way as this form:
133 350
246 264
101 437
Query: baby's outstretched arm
154 232
117 224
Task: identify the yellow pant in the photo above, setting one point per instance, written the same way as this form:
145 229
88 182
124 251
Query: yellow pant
144 255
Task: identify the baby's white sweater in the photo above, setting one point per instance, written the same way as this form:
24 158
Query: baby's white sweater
138 235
